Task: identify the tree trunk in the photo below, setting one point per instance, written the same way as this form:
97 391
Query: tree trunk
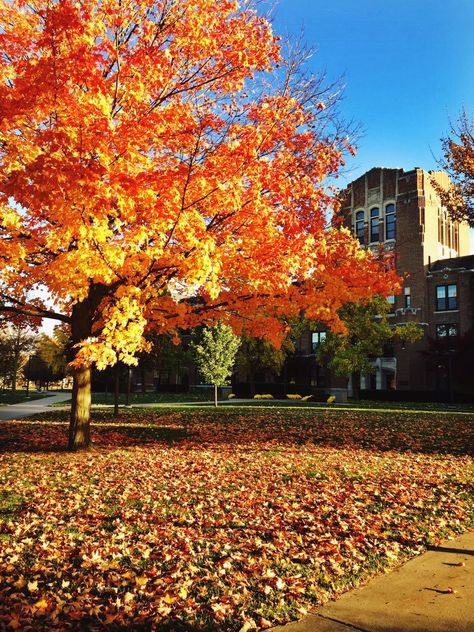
116 390
215 395
356 385
81 329
252 382
79 425
129 384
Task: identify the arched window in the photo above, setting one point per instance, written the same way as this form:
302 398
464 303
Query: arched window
374 224
390 231
360 227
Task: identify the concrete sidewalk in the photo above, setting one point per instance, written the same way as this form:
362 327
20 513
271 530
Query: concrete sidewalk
432 593
33 407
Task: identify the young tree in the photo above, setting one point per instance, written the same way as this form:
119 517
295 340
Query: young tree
458 161
153 151
54 350
257 354
367 331
215 354
17 340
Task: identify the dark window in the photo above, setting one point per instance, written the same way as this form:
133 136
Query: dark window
360 226
317 337
407 295
374 224
449 330
446 297
390 221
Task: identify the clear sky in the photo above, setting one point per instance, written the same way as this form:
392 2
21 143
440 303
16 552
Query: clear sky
408 66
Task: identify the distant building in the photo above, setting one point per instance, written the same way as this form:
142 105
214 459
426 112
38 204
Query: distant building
401 211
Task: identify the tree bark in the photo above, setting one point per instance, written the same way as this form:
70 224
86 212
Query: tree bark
356 385
215 395
79 425
116 390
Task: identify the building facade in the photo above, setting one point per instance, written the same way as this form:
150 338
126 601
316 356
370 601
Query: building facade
400 212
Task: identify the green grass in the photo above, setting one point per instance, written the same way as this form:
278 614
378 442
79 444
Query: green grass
11 504
20 396
136 399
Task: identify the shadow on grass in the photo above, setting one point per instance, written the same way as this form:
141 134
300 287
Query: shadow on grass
339 429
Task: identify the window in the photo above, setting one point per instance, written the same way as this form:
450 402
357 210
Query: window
446 297
407 294
391 302
360 227
449 330
390 221
374 224
317 337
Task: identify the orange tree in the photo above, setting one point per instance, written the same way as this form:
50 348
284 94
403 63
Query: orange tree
162 166
458 161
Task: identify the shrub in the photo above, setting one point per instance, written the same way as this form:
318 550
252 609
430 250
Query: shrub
331 399
293 396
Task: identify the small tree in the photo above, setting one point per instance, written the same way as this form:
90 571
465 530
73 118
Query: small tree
458 161
257 354
16 342
215 354
368 330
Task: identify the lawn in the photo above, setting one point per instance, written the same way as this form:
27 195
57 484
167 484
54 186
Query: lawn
148 398
7 397
219 520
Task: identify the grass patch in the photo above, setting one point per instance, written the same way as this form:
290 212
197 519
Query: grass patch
20 396
11 505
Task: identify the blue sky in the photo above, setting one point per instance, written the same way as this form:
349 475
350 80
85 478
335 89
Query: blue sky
408 66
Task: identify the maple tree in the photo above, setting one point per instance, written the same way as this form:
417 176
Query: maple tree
214 353
458 161
156 150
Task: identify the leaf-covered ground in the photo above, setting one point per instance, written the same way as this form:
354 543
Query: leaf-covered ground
218 520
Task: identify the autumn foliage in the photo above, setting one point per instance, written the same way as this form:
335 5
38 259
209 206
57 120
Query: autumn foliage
152 151
458 161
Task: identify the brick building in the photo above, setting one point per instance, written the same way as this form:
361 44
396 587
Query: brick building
401 211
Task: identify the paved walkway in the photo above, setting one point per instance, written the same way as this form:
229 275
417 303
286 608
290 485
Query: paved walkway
33 407
432 593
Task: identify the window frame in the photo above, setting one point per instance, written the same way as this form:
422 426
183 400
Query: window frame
360 226
321 337
448 328
390 221
374 221
447 302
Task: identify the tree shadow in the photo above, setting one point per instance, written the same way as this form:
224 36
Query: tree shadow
337 429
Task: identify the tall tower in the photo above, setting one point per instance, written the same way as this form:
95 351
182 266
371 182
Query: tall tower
402 212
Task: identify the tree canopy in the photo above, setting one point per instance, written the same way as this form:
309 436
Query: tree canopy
163 165
368 329
214 352
458 161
